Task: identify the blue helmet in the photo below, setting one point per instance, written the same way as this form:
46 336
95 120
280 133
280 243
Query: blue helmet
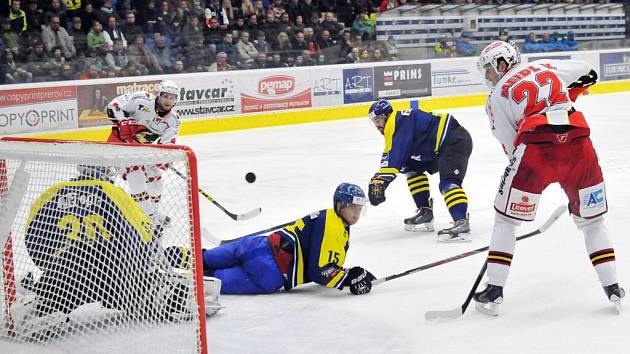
348 193
380 108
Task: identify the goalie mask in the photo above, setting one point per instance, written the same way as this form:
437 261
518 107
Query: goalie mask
492 55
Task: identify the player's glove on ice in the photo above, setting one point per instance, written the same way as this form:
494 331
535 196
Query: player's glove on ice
359 280
377 187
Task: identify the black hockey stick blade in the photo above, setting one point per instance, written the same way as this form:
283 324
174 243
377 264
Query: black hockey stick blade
458 312
237 217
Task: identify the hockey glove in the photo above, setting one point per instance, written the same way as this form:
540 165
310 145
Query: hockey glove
585 80
359 280
145 136
377 187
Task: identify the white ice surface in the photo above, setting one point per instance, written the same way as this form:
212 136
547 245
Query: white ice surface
553 300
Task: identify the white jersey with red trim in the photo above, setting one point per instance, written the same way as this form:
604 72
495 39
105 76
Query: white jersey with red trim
529 89
139 108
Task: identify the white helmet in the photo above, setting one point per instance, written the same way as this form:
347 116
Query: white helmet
168 86
491 54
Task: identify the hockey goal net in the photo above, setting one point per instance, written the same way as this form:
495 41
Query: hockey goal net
83 267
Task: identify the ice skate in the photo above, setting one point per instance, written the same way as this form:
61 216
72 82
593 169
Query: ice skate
459 232
422 221
615 293
32 325
488 300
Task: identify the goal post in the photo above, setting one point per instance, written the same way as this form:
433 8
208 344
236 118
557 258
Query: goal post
82 264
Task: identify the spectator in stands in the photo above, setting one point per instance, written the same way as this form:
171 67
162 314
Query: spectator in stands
67 72
96 37
294 9
321 60
314 22
247 52
17 17
178 68
151 18
324 40
276 61
116 59
464 46
34 17
183 13
166 18
299 43
221 64
212 32
87 17
56 59
38 62
286 25
105 11
94 57
228 47
163 52
345 46
378 55
246 9
239 26
130 29
91 73
252 25
545 43
556 42
216 10
504 36
531 44
283 46
13 72
391 48
260 62
55 8
313 47
277 7
270 26
261 44
569 43
260 8
353 56
299 24
77 32
443 46
140 53
364 56
112 32
310 13
331 25
307 59
10 38
55 36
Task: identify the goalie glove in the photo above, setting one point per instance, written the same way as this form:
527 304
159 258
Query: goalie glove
378 185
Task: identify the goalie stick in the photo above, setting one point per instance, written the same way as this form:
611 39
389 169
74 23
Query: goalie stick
236 217
459 311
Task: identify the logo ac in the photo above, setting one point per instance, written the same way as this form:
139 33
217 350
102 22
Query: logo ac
595 197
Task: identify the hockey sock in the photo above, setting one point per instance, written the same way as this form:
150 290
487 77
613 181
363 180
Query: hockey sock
454 198
501 250
599 248
154 185
138 189
419 189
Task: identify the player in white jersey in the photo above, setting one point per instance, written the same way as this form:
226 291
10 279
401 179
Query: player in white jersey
546 140
142 117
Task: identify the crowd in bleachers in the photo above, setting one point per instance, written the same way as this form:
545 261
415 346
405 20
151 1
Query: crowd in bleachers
461 46
44 40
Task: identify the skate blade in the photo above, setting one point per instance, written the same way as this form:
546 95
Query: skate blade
617 302
426 227
459 238
490 309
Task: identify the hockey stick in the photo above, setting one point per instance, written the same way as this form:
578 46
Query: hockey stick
220 242
458 312
556 214
237 217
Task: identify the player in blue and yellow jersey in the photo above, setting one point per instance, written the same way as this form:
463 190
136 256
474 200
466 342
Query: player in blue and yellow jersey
312 249
92 243
417 143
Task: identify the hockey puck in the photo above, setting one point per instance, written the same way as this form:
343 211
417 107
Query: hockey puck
250 177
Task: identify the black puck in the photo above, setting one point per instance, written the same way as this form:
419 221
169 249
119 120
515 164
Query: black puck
250 177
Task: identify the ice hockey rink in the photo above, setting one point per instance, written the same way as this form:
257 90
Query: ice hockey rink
553 300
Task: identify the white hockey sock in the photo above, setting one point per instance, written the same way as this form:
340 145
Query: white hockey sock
154 185
138 190
599 248
501 250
